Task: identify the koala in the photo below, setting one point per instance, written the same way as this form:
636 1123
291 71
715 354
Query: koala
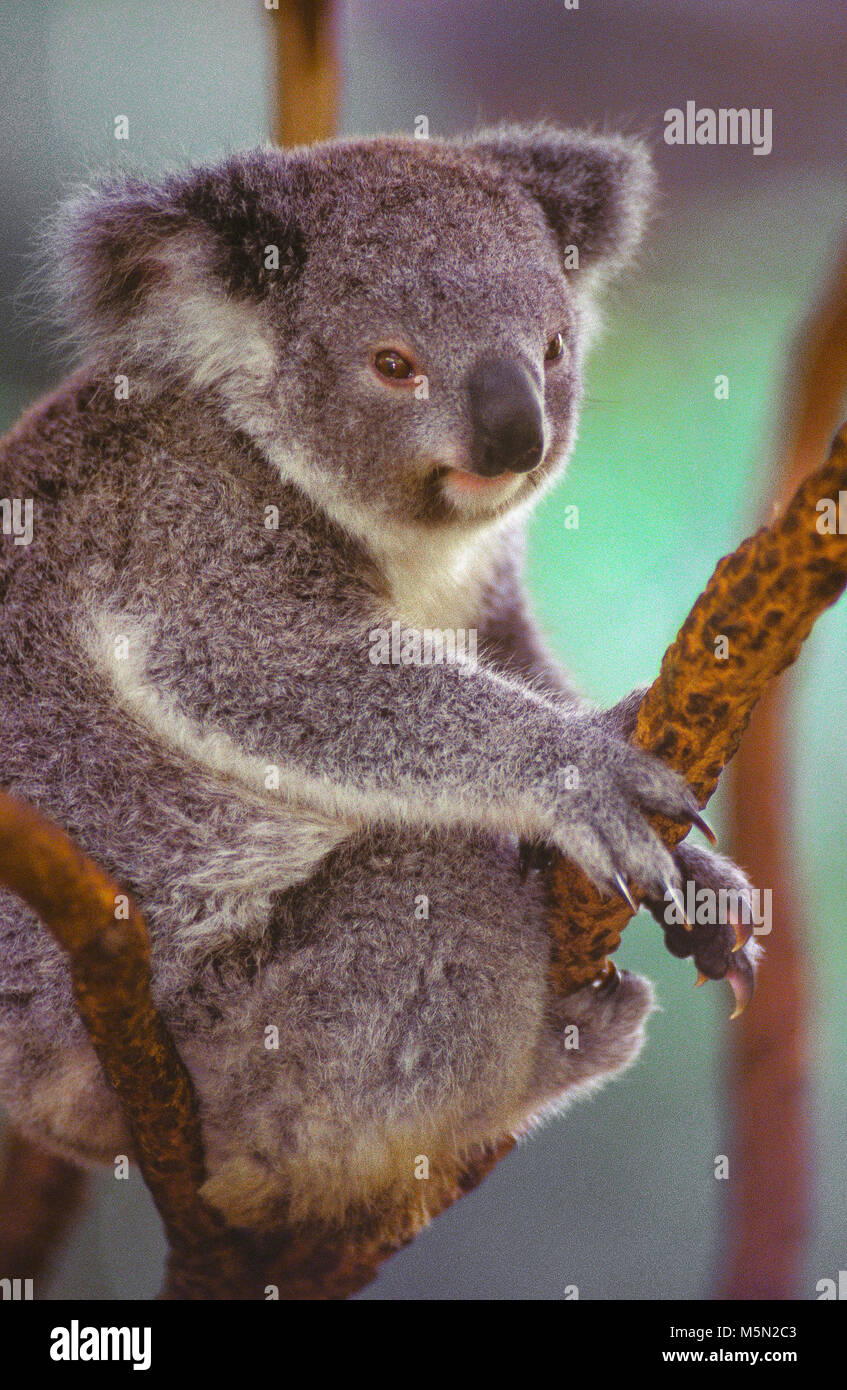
320 393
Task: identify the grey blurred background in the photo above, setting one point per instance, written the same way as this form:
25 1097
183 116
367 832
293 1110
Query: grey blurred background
618 1197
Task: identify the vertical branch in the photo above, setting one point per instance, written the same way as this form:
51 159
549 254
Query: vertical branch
39 1197
768 1065
307 72
109 955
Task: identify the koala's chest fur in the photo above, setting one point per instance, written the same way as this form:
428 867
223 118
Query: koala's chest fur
436 583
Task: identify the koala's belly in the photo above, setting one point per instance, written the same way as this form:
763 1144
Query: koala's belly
396 1012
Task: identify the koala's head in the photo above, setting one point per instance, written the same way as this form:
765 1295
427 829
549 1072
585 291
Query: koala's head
398 323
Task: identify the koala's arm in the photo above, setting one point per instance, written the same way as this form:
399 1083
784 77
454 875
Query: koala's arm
444 745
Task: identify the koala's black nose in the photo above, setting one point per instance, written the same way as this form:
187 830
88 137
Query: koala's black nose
508 424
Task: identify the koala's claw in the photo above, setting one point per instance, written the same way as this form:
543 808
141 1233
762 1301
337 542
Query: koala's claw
621 720
704 828
720 947
679 903
742 978
602 822
717 956
743 931
624 891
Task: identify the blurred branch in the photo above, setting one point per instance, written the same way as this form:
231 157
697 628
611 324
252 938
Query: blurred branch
307 71
39 1197
815 384
768 1067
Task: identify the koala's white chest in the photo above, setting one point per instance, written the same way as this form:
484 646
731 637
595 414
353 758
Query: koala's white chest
434 588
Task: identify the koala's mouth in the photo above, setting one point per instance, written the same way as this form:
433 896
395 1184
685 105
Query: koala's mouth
447 495
470 490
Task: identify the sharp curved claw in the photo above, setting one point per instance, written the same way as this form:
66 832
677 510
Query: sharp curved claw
743 932
741 977
701 979
625 893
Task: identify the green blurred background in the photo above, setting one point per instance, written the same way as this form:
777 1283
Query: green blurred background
619 1197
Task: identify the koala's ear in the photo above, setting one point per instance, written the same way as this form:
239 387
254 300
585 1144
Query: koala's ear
594 190
165 273
112 244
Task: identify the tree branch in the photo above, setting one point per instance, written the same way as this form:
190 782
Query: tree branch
768 1066
110 970
39 1197
764 598
307 72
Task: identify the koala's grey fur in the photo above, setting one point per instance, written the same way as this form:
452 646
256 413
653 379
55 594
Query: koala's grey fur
189 692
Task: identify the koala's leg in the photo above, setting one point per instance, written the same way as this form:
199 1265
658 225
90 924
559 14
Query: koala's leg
406 992
589 1037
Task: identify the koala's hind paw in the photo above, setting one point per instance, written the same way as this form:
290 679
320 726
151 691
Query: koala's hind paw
719 938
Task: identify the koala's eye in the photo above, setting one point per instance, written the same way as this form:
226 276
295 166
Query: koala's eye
392 364
555 348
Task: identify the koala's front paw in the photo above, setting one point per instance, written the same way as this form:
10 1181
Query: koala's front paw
719 932
602 801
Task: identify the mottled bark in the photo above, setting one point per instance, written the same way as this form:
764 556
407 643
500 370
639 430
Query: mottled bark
770 1195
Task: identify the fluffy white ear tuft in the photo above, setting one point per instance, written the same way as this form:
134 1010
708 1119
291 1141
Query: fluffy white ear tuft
139 286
